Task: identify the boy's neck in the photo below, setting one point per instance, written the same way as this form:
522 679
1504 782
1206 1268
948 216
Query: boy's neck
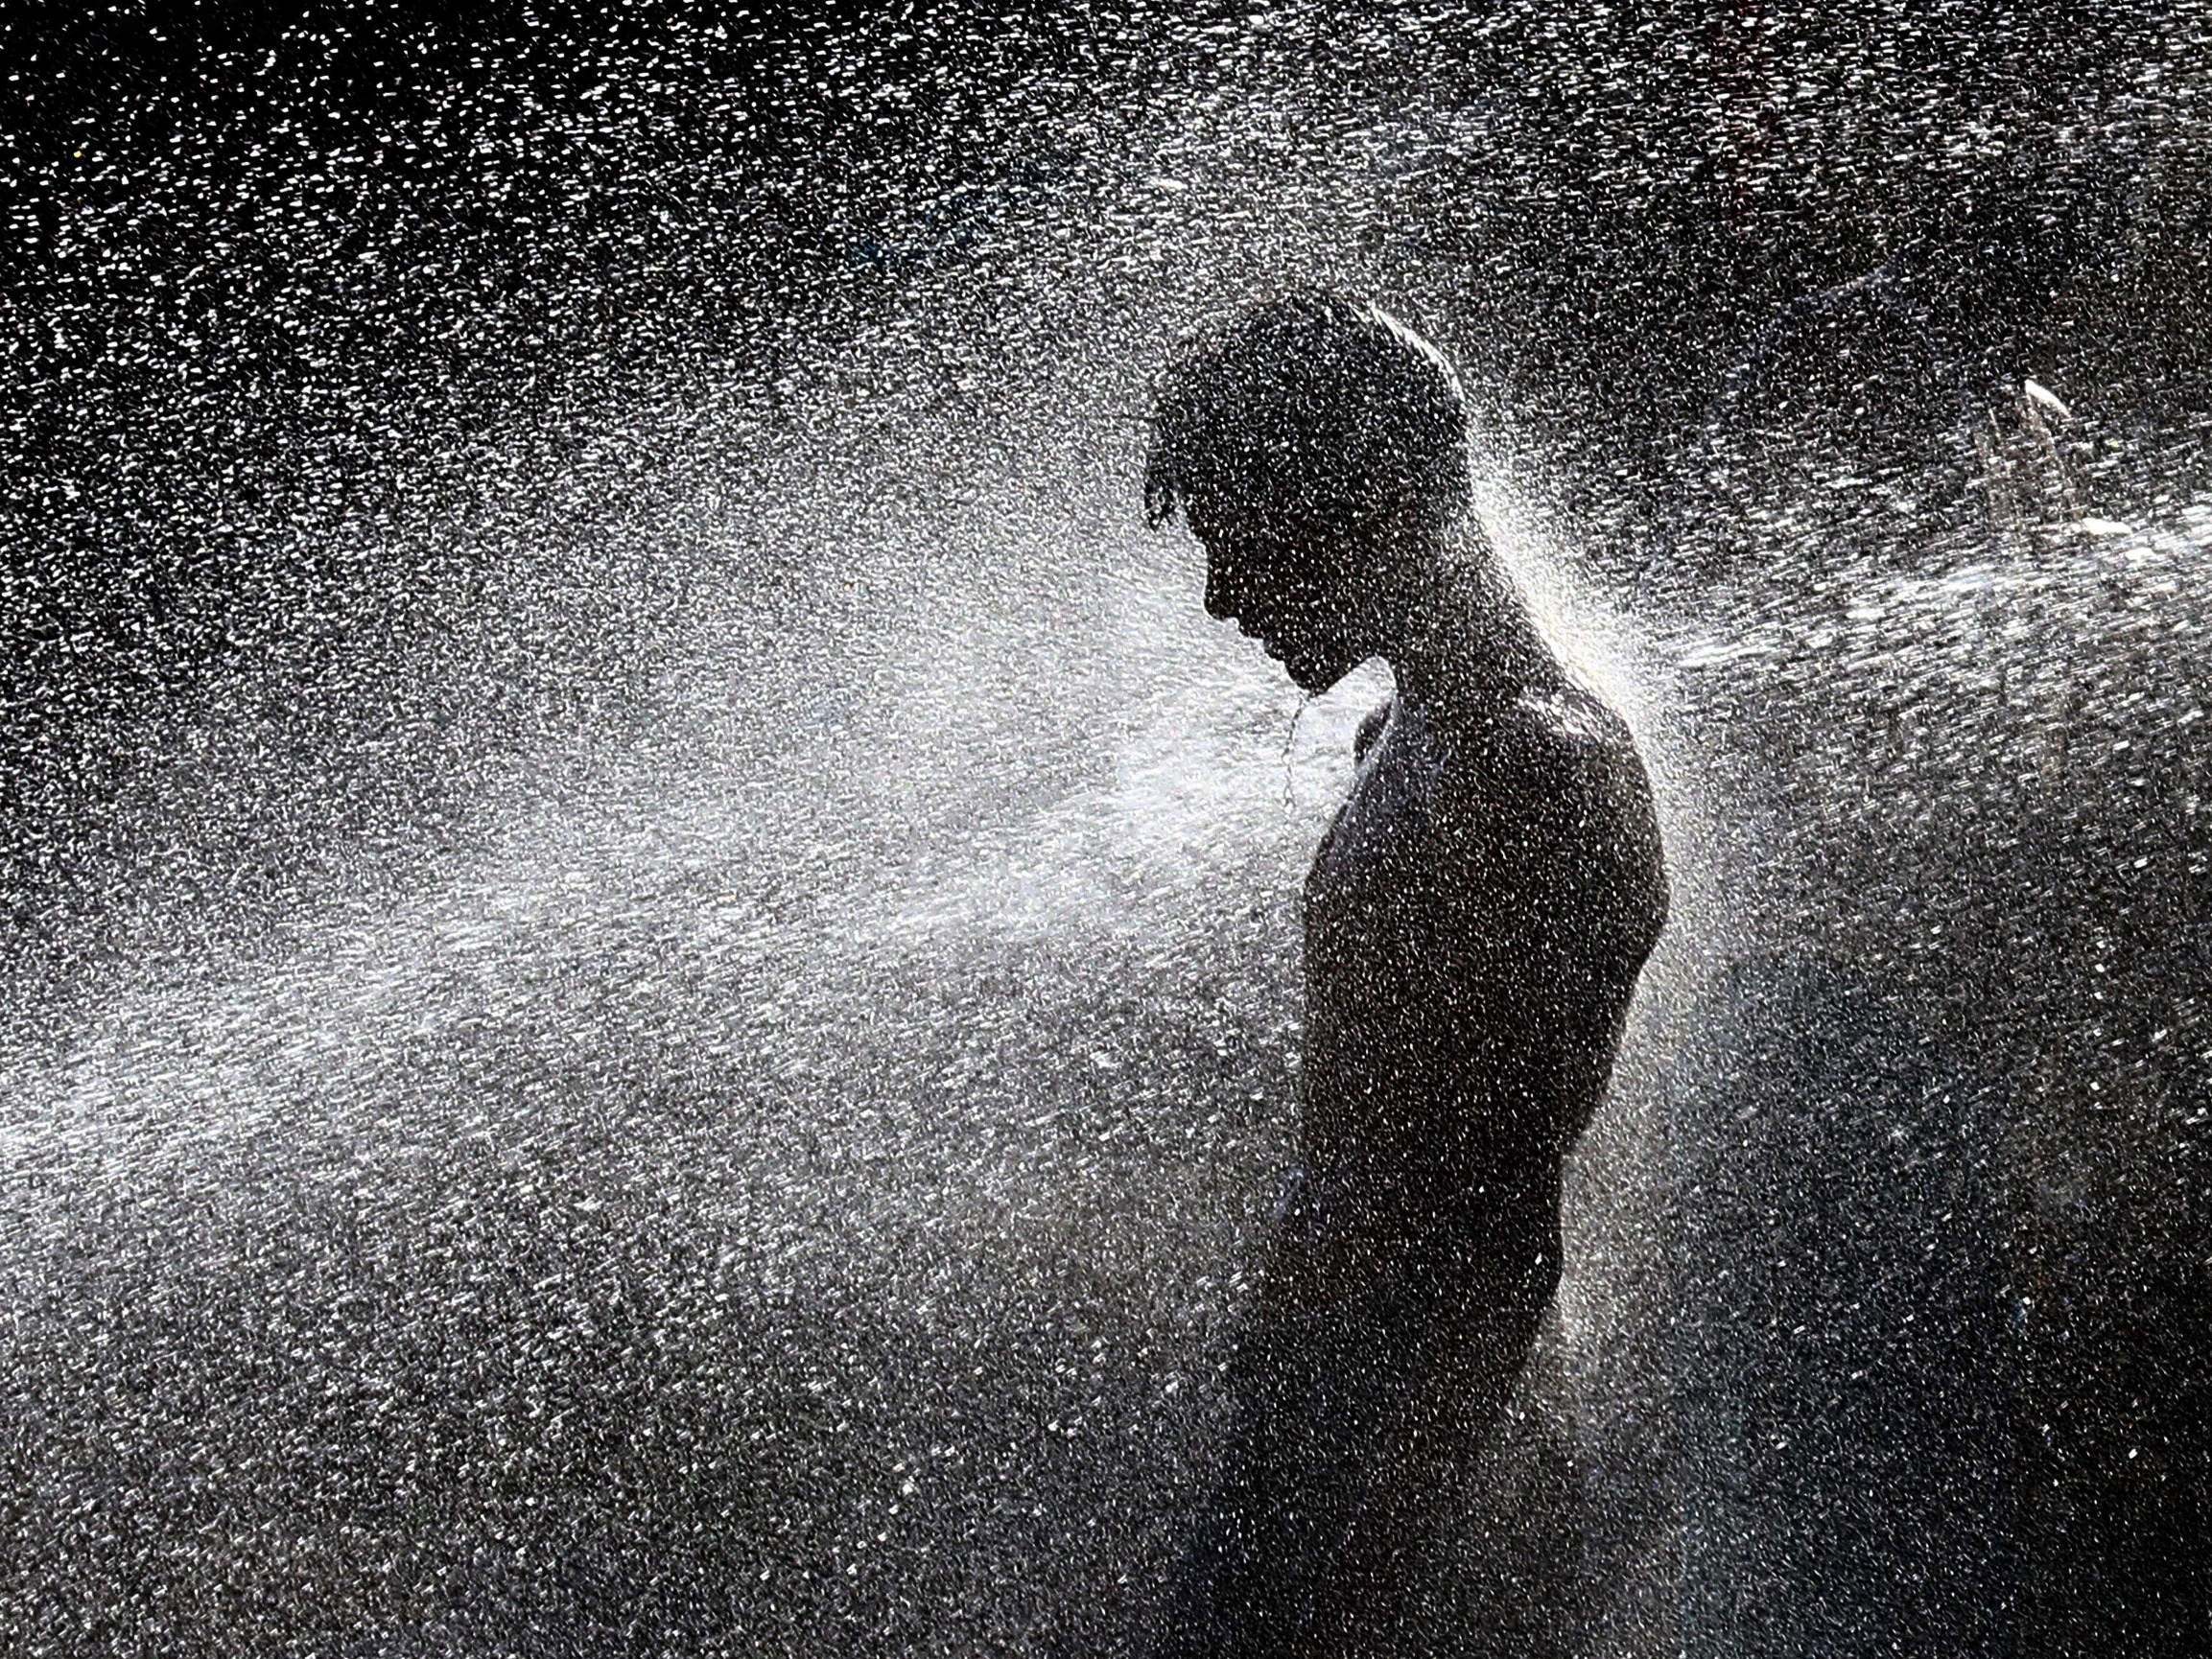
1470 648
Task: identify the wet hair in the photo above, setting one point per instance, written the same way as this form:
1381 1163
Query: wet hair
1324 406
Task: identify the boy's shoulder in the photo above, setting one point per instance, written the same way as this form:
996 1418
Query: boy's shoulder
1561 746
1555 789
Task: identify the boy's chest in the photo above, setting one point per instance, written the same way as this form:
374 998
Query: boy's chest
1379 859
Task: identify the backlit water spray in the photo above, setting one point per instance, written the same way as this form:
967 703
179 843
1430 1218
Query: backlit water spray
703 1071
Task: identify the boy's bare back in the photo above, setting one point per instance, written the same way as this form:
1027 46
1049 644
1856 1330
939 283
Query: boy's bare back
1474 923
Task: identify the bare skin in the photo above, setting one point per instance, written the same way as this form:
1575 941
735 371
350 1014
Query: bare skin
1475 920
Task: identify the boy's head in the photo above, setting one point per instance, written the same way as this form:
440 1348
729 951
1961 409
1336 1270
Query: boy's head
1311 407
1308 442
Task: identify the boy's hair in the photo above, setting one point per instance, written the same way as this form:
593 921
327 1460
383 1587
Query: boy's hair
1315 403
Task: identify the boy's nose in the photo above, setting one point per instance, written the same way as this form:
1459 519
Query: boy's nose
1218 604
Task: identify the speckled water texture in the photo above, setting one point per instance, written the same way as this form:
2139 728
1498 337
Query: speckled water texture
651 983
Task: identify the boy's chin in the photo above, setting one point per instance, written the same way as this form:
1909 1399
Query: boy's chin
1314 675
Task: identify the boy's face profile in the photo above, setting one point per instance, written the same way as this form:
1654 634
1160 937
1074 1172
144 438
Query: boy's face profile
1285 581
1317 449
